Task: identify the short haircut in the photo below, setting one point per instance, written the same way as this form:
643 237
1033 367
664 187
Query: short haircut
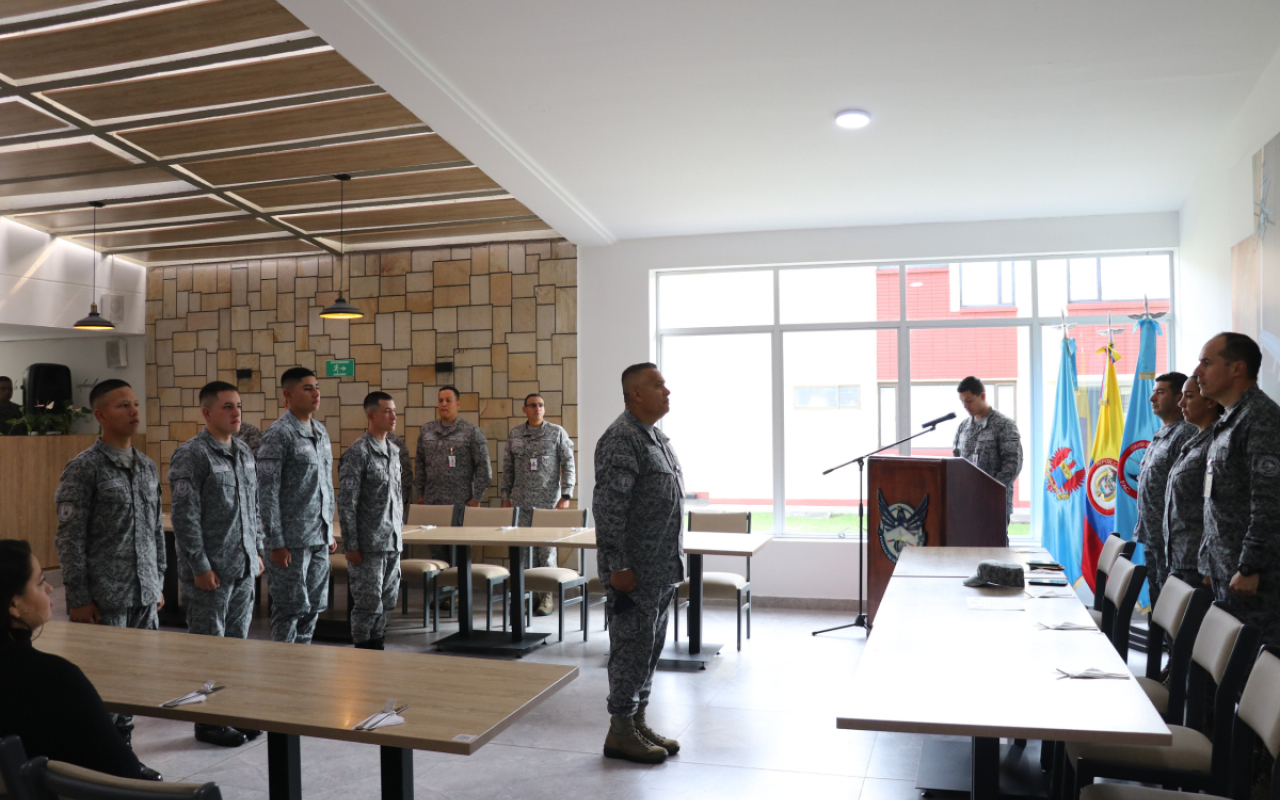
456 394
971 385
628 377
1174 379
293 376
209 394
372 399
104 388
1238 347
5 379
531 396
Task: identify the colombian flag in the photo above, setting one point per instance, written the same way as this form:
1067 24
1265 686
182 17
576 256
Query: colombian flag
1104 470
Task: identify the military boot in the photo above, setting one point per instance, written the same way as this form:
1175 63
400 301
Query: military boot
624 741
670 745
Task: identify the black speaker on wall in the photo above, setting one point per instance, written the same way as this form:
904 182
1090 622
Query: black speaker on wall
46 382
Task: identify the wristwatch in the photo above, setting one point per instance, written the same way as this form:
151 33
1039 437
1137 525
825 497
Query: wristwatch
565 497
1246 570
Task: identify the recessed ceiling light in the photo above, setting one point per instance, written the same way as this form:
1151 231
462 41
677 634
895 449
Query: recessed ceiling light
853 119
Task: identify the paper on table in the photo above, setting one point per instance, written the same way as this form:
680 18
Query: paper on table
1052 595
426 527
393 719
175 702
996 603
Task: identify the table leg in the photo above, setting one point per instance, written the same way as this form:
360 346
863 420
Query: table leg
397 773
284 766
172 613
464 591
986 769
695 603
515 602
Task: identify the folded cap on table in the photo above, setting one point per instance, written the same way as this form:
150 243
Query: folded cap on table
997 573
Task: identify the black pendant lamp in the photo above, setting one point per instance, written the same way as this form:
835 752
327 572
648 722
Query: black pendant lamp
341 309
94 322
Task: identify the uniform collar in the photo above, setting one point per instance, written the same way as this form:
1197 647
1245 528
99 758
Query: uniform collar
111 454
1245 399
652 432
308 431
214 445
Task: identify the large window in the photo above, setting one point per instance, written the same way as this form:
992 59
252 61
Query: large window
778 373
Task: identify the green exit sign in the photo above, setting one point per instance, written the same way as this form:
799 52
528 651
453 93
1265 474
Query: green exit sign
345 368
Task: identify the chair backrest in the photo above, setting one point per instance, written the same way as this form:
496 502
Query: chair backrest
482 517
1110 552
1171 608
1178 615
1122 591
440 516
12 757
1222 658
1218 634
720 522
1259 714
1112 549
1118 580
559 518
69 782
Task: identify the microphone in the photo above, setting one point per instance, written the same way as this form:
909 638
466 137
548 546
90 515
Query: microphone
934 422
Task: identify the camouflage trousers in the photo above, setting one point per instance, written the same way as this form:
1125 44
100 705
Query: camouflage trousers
299 592
374 584
1157 568
143 618
542 557
636 639
1261 610
225 611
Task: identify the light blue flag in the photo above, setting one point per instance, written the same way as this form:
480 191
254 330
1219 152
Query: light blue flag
1063 499
1140 425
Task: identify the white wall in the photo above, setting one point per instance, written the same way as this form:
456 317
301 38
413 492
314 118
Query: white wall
1218 214
87 360
614 326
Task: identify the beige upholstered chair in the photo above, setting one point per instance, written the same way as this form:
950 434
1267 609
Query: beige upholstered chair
1124 585
1112 549
12 756
559 579
422 571
492 576
70 782
1177 616
721 585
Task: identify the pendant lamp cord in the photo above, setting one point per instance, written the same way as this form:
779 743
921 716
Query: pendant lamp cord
93 290
342 232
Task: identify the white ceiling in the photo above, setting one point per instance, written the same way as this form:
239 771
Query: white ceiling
624 120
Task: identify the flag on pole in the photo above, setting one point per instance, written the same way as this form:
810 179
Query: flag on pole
1103 481
1063 502
1139 426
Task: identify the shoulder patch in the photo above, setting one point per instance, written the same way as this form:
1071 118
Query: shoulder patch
268 466
181 487
1269 466
65 511
351 484
624 482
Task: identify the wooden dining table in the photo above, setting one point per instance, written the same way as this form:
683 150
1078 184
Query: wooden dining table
456 705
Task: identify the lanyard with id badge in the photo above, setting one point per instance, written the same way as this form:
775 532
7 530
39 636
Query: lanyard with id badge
453 460
1208 479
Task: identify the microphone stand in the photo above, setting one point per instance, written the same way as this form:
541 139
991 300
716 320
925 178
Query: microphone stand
860 621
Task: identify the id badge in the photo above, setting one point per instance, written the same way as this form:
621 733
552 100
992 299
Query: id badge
1208 479
533 464
453 461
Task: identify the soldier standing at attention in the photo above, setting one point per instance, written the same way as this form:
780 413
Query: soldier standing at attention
452 460
1163 450
638 503
537 472
371 508
988 439
216 531
295 501
110 541
1184 496
1242 485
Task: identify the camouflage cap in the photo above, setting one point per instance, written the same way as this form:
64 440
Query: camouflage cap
998 573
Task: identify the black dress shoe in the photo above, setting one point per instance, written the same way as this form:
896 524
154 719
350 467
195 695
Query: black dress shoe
250 733
149 774
378 644
220 735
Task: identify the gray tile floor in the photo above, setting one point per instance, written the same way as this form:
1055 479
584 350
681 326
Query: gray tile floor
760 723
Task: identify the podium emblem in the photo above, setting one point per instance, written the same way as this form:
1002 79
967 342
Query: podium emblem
901 526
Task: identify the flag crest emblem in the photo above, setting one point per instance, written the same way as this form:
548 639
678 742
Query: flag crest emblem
1062 475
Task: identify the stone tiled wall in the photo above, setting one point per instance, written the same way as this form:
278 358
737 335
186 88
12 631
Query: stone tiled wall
504 313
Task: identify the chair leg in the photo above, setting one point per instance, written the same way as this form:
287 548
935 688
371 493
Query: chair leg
560 608
739 622
404 604
676 613
586 611
435 607
488 606
426 599
749 604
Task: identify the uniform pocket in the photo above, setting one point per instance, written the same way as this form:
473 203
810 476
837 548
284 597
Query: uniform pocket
115 491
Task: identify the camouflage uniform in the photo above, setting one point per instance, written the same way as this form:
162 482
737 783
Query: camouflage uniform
406 466
439 484
1242 511
251 436
110 541
216 527
295 501
998 447
371 509
638 504
1184 508
537 470
1162 451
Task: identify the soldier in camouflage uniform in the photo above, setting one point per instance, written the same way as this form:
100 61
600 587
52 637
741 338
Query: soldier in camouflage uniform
295 501
1184 495
537 472
251 436
638 503
1238 554
988 439
110 541
216 531
371 509
1162 451
406 466
452 460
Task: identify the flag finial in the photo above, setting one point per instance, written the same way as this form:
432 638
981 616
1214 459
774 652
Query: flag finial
1064 325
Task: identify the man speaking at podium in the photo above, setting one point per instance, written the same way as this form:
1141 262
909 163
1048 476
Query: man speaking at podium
988 439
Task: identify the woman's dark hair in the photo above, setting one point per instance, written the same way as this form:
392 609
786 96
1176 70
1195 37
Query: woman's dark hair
15 573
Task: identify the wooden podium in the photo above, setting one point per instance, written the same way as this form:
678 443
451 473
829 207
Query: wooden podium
964 508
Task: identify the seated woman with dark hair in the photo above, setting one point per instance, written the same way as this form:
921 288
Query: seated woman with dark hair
49 702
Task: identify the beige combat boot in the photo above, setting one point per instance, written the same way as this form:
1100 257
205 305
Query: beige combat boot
670 745
625 742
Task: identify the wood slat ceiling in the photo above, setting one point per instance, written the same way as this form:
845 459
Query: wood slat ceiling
212 129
